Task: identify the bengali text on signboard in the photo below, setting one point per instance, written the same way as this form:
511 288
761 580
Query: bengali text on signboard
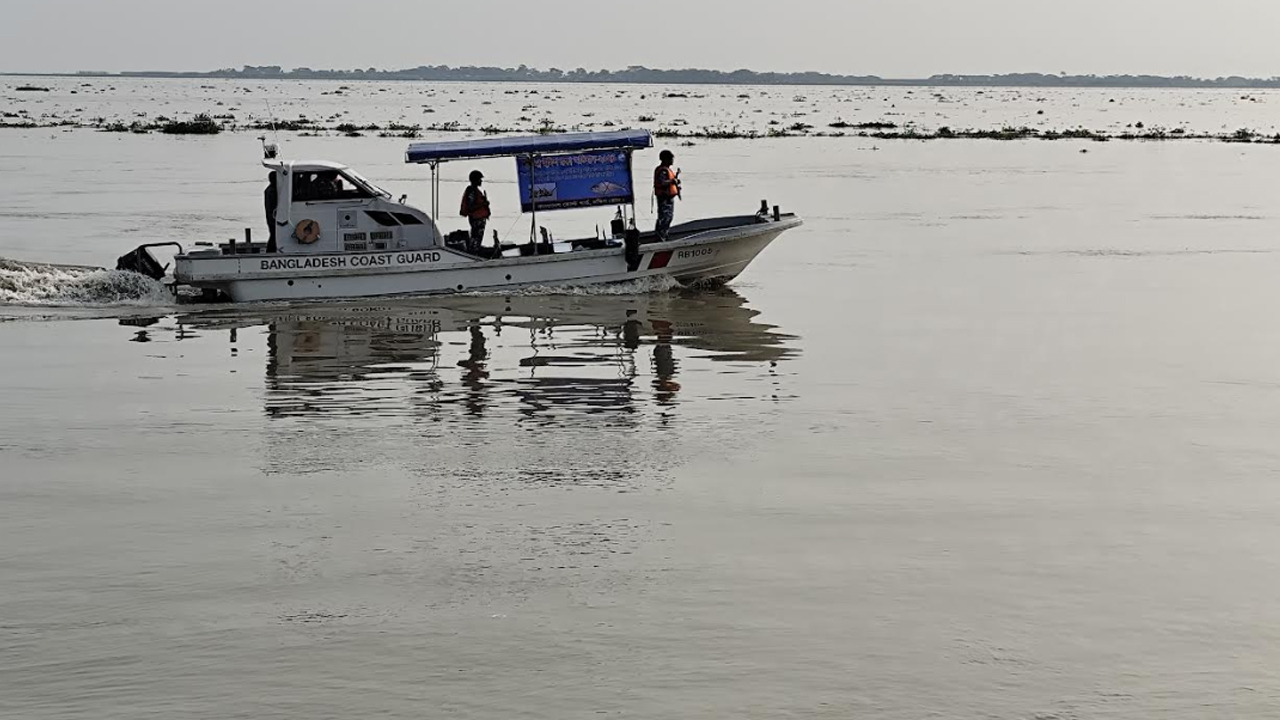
589 179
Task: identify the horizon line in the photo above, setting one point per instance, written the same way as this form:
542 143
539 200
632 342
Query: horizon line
639 74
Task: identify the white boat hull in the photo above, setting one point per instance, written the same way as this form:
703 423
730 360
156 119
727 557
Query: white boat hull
713 256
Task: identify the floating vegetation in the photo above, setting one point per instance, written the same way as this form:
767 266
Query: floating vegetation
1005 133
1008 133
136 127
548 127
769 115
299 125
1076 134
842 125
353 130
199 125
451 126
401 131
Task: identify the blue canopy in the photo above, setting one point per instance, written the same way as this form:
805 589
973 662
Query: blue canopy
535 145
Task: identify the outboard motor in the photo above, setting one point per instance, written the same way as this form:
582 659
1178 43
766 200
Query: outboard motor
141 261
631 249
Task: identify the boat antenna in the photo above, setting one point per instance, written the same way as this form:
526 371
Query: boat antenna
275 134
270 150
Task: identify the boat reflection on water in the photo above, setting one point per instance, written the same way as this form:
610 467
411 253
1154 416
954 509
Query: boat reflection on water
466 374
540 355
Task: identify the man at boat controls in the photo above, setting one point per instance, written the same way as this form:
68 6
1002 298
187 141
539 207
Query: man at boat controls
327 186
475 207
666 187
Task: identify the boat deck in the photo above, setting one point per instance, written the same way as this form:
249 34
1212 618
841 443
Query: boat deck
677 232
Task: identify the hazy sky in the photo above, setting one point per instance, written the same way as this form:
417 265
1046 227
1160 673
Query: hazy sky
891 38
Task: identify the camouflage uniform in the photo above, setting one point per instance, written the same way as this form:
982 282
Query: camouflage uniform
663 179
666 213
474 197
477 233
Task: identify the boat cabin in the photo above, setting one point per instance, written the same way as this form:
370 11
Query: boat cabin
326 207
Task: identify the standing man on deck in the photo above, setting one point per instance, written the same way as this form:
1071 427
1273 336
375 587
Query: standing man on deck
666 187
270 199
475 206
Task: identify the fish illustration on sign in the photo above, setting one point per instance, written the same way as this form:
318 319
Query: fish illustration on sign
606 187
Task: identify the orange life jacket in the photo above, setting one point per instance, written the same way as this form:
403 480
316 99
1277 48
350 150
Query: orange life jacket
475 204
664 182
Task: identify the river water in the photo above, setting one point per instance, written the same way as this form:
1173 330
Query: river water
991 436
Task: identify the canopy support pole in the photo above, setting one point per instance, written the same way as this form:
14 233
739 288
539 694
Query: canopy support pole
533 198
631 174
435 204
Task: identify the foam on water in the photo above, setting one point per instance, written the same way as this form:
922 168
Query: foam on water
36 284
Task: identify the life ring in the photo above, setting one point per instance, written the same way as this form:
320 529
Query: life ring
307 232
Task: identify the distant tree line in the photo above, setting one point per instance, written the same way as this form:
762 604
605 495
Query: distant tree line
641 74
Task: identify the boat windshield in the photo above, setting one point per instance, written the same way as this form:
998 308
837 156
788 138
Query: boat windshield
357 177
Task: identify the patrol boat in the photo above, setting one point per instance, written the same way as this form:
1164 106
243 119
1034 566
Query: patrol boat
341 236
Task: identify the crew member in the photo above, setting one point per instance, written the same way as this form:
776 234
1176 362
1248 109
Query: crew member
666 187
475 207
270 198
326 186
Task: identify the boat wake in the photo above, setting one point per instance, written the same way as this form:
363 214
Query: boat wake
59 285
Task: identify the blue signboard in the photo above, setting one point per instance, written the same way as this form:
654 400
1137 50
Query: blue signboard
557 182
